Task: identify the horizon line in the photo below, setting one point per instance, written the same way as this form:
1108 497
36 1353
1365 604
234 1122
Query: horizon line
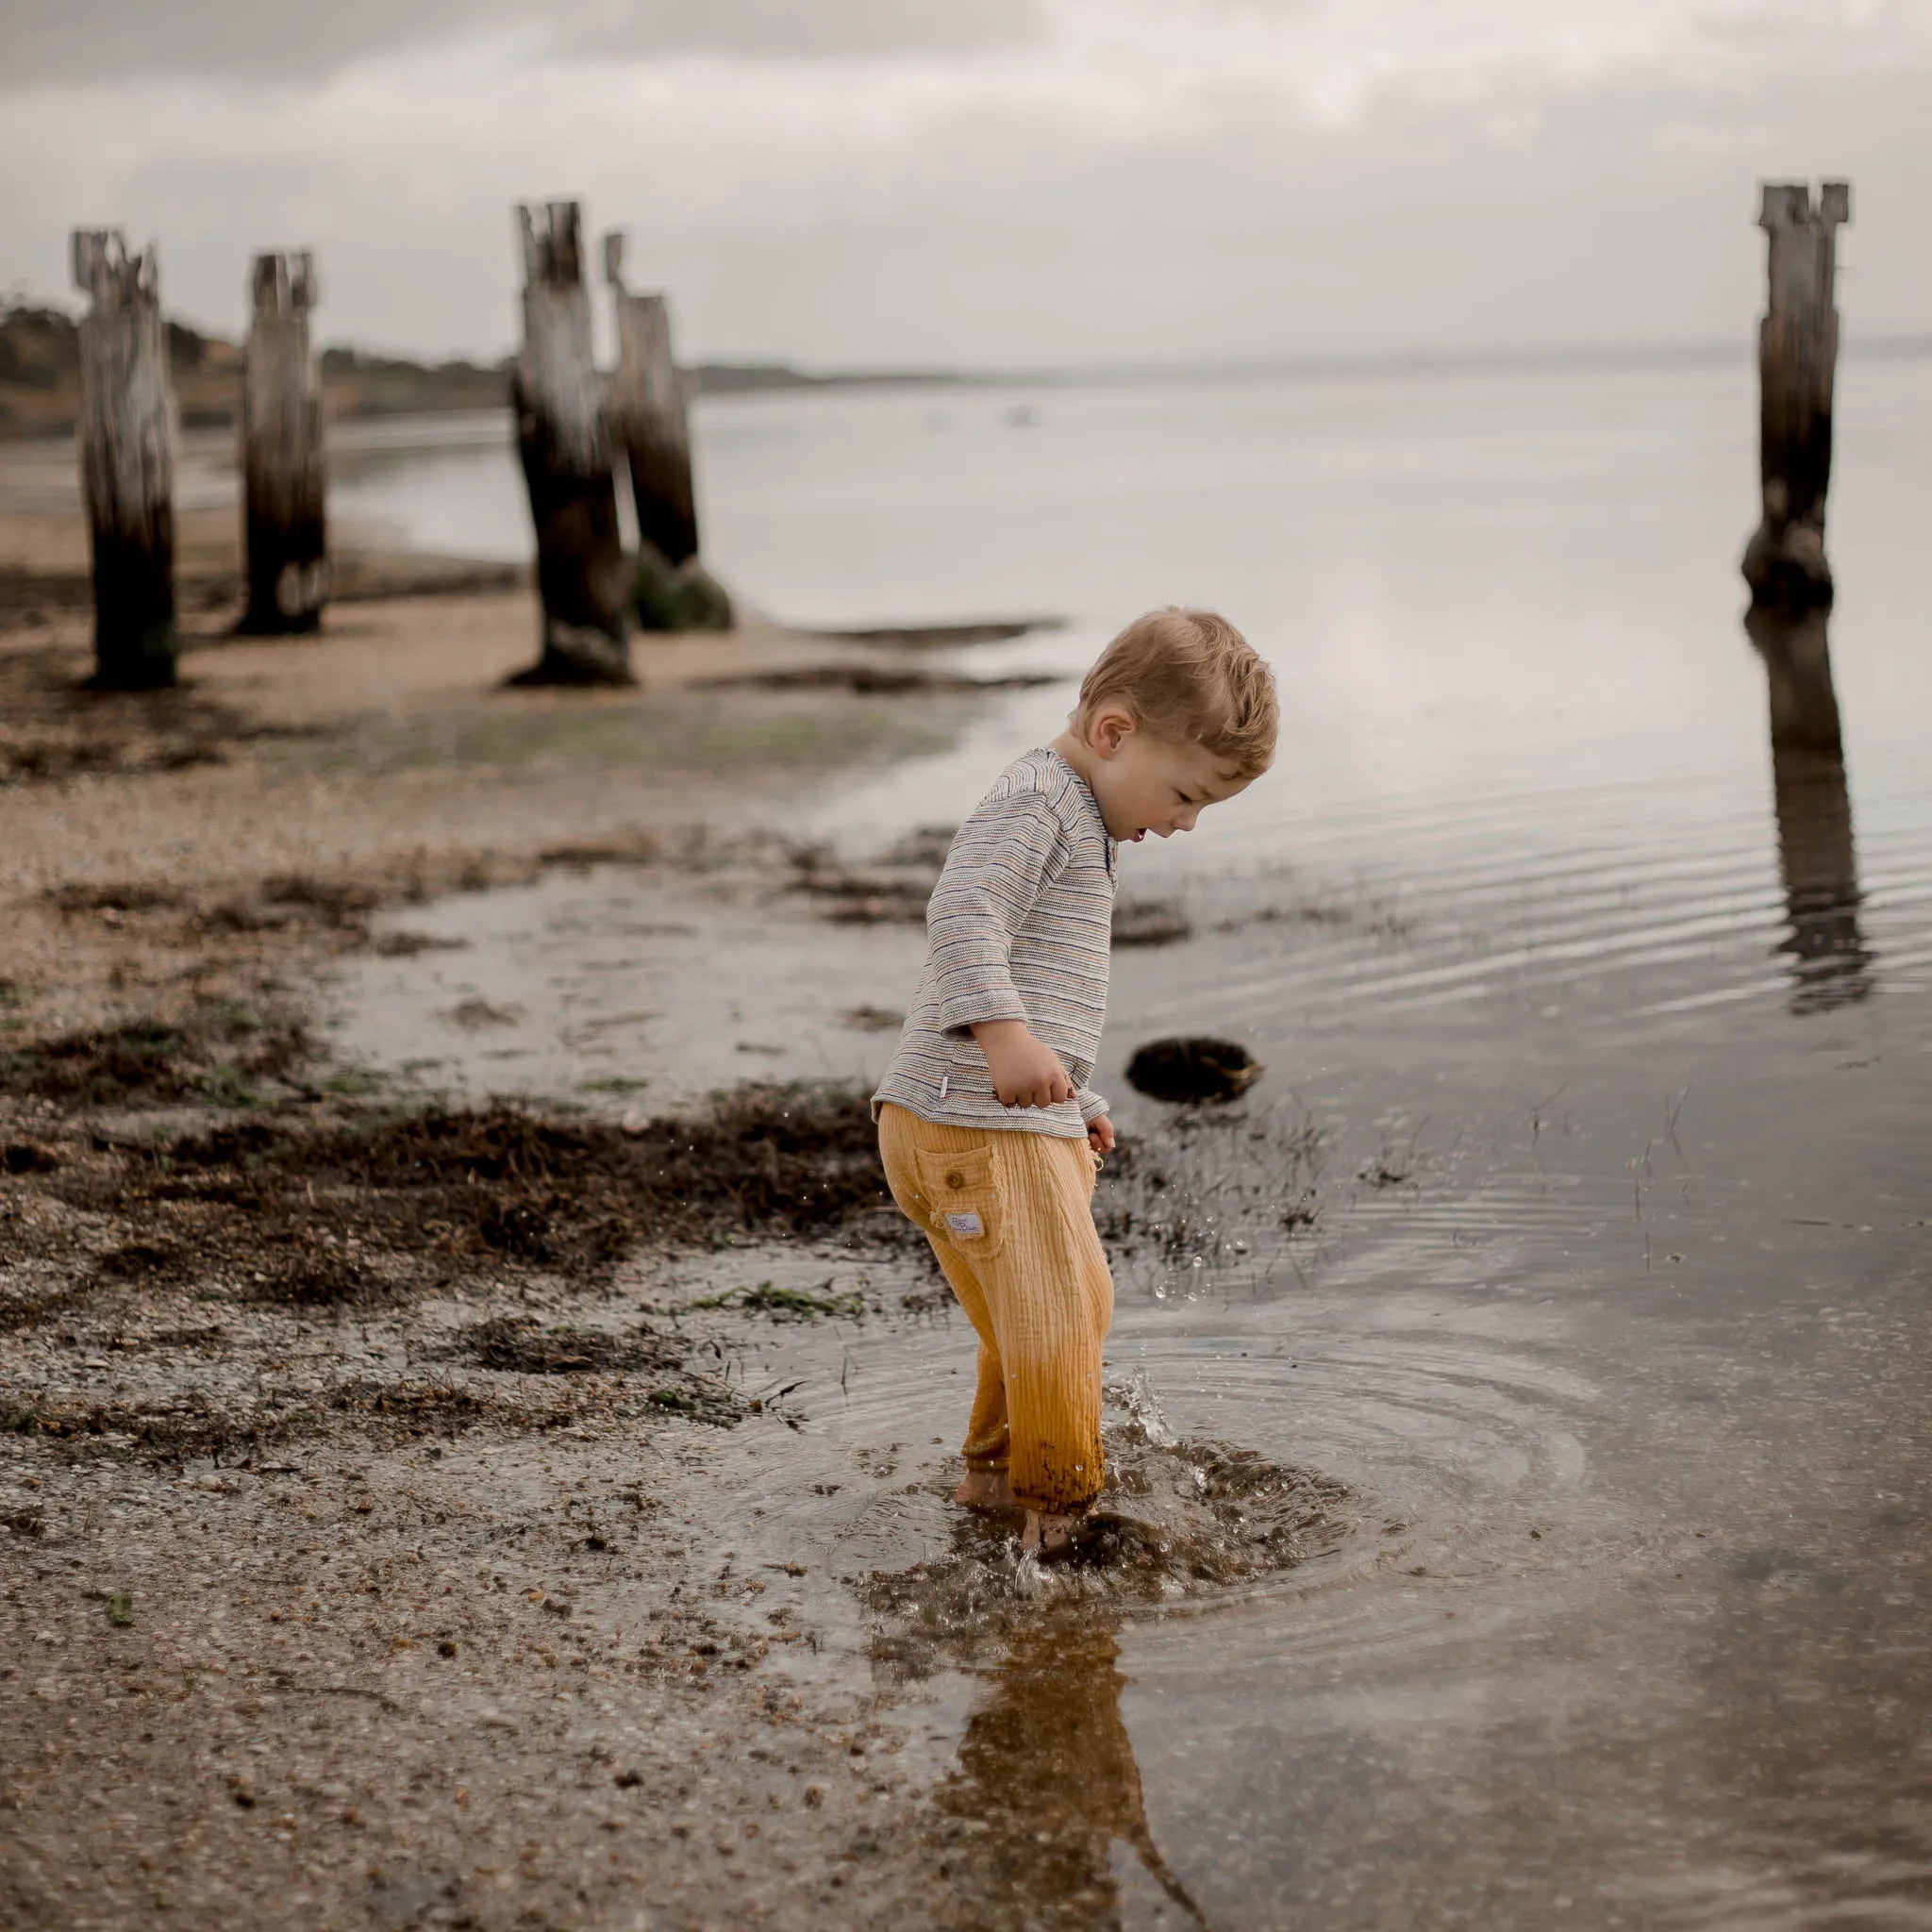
1566 358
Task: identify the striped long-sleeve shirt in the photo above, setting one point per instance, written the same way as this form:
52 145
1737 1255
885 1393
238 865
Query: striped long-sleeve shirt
1018 928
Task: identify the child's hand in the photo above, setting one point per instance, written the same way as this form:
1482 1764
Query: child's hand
1100 1135
1026 1070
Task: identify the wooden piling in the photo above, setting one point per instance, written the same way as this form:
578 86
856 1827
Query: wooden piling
1817 856
126 436
284 475
670 590
1797 358
651 417
563 437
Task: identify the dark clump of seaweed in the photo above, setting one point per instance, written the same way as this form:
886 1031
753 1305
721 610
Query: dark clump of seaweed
785 1304
156 1432
410 1409
220 1051
516 1344
570 1195
1183 1072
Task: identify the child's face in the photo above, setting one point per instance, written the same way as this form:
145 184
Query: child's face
1145 783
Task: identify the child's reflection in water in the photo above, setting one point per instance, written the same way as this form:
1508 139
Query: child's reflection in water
1048 1764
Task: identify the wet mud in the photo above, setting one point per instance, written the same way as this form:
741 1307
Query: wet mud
354 1462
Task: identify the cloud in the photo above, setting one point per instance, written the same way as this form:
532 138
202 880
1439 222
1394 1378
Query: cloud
1152 179
294 44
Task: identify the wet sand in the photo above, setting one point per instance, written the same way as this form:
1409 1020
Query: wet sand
176 868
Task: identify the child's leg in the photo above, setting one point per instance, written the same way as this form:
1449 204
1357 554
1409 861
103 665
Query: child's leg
987 1447
1051 1301
902 1137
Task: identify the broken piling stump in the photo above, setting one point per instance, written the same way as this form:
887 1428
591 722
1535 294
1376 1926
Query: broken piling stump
126 437
1797 358
671 590
651 417
283 470
564 438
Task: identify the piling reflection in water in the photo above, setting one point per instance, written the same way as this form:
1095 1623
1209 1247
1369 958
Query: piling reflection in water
1047 1783
1830 962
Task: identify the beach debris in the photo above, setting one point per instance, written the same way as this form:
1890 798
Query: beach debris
669 598
926 845
1797 356
886 894
216 1046
517 1346
868 1019
127 461
284 472
1149 923
563 437
787 1303
412 1186
476 1012
1192 1069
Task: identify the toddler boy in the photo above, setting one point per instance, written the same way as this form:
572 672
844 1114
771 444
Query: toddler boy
990 1133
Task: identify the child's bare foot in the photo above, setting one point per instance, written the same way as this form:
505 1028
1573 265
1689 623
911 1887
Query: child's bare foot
1048 1538
985 1488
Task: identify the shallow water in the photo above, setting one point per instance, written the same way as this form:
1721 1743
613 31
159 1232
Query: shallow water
1591 982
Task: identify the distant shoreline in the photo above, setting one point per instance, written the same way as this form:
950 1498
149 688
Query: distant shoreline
40 374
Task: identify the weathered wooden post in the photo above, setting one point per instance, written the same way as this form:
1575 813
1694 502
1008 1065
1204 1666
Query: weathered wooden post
651 417
563 436
127 461
671 590
284 476
1797 355
1816 859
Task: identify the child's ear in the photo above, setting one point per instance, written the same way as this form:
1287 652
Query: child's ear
1111 730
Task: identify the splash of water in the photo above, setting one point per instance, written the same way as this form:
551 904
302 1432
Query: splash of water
1143 1410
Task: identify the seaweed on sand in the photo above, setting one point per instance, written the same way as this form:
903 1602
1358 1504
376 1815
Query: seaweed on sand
214 1051
570 1195
515 1344
785 1304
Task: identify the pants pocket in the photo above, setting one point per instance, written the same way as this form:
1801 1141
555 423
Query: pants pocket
962 1192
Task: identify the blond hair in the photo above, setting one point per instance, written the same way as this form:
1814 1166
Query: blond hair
1191 676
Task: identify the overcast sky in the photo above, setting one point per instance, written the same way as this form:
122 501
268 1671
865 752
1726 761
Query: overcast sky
993 182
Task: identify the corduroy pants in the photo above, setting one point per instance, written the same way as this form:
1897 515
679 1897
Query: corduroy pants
1010 1217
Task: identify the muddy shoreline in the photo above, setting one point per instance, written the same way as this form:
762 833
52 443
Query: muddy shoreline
360 1561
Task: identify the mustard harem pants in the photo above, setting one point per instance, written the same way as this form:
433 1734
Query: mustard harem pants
1010 1215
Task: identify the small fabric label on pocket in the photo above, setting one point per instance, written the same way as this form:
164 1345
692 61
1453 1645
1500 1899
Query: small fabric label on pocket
965 1224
